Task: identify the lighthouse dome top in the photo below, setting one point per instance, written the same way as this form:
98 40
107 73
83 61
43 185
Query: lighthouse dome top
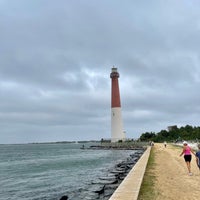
114 69
114 73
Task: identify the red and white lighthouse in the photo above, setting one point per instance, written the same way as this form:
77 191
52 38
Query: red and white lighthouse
117 132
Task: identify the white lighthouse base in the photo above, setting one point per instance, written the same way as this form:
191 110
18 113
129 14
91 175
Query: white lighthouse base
117 132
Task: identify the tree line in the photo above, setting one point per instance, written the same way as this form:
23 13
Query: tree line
173 135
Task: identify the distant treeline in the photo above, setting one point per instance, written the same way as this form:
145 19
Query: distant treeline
175 134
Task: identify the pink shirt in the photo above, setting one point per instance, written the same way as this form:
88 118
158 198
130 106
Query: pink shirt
187 150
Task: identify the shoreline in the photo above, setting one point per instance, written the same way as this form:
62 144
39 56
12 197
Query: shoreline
103 187
130 187
96 147
116 163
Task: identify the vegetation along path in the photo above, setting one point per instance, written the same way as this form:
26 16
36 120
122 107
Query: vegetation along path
166 177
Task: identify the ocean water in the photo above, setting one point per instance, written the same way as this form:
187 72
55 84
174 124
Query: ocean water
49 171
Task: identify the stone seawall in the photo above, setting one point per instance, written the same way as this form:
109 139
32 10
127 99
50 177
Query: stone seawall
130 186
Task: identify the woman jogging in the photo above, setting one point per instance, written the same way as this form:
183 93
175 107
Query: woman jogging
187 155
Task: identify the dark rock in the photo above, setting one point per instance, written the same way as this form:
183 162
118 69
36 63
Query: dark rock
65 197
101 191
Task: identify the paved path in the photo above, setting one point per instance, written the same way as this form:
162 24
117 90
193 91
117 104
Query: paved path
172 179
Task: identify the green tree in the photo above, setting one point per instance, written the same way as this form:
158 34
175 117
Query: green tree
147 136
185 133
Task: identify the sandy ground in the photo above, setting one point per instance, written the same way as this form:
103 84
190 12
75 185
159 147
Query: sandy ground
172 179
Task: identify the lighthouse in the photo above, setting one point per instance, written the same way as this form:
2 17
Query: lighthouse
117 132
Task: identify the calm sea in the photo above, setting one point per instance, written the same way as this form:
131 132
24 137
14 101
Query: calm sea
48 171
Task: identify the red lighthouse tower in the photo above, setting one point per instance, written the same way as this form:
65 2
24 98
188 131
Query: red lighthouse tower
117 132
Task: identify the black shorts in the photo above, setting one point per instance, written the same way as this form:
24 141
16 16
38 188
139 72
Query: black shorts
188 158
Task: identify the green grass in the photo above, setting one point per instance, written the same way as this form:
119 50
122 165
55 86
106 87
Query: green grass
147 190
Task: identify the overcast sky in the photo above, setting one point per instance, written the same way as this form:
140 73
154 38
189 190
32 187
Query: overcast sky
56 59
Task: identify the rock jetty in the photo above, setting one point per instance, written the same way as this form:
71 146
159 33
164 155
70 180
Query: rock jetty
103 187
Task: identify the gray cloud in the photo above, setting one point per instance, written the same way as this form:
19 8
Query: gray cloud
56 58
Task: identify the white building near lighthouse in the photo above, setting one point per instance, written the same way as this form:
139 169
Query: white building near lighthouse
117 132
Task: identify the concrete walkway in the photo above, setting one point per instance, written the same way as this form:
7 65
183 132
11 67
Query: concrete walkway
130 186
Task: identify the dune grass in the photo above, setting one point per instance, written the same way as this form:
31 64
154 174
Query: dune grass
147 190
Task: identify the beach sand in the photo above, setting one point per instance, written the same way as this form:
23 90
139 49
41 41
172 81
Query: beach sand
172 179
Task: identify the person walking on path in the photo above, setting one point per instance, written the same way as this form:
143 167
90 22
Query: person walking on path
165 144
187 155
198 157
